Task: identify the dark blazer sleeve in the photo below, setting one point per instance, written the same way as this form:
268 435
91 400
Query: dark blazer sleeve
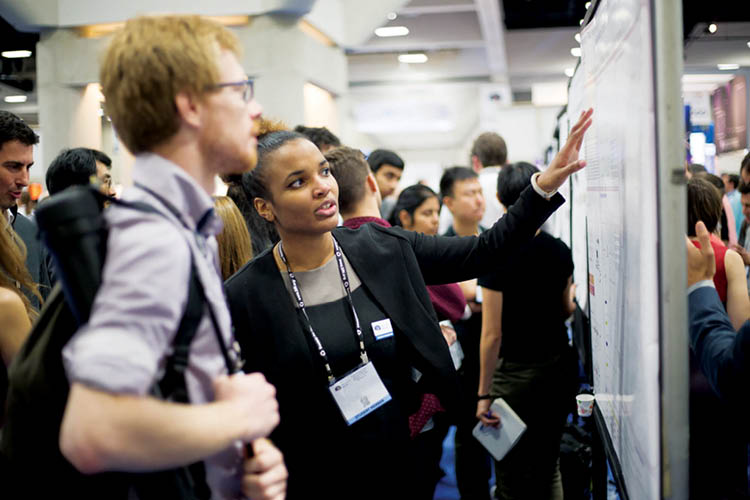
36 262
450 259
722 354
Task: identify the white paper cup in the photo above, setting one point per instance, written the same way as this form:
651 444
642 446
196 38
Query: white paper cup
585 403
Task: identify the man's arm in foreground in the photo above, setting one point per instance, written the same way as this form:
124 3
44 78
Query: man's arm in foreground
722 353
102 431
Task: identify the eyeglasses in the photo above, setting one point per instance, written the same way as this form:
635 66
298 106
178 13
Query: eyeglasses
247 88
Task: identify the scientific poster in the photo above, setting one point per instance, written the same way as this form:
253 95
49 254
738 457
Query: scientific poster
621 214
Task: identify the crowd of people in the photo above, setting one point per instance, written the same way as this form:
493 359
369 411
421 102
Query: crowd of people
340 325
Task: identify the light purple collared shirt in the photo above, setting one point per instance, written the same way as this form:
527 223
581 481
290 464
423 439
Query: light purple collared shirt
137 310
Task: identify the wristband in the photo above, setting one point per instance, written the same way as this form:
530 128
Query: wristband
483 396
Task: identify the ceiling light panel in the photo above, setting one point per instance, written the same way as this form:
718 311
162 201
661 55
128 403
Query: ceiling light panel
412 58
388 31
13 54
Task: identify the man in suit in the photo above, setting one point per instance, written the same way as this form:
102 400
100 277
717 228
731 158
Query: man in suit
16 158
723 354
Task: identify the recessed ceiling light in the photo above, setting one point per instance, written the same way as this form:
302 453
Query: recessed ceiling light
580 23
587 5
728 67
391 16
12 54
392 31
712 28
15 98
569 72
748 45
412 58
578 38
575 51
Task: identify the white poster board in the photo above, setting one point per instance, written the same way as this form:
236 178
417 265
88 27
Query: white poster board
615 206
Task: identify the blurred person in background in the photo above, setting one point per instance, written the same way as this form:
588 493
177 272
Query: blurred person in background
525 357
388 167
17 142
16 311
320 136
235 249
715 450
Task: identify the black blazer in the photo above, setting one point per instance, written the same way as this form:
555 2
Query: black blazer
394 265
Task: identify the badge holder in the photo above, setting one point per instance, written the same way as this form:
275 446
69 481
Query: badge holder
359 392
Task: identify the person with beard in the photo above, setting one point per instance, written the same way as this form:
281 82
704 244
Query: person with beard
191 119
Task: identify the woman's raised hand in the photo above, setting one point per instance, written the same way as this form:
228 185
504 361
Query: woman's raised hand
566 161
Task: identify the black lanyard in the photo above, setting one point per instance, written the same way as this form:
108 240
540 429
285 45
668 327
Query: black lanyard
301 305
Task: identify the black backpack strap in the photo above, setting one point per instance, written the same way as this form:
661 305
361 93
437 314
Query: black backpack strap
173 386
233 365
189 482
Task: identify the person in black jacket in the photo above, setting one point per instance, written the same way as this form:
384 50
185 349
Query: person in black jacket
340 322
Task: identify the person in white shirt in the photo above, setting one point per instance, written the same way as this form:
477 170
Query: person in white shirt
488 155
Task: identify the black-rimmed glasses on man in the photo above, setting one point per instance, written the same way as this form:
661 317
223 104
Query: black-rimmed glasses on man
247 90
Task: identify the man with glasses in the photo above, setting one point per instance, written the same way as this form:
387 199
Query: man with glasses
182 104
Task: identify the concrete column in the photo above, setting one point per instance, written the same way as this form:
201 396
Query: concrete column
283 58
69 102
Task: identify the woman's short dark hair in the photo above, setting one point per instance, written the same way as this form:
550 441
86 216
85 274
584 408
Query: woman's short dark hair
704 203
263 234
255 182
410 199
512 180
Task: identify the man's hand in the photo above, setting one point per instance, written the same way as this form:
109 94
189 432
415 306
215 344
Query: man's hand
701 264
449 334
253 402
485 415
743 253
566 161
265 474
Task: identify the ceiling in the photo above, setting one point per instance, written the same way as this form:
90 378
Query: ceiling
510 42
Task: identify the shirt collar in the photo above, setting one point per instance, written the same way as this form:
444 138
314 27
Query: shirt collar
356 222
170 181
11 214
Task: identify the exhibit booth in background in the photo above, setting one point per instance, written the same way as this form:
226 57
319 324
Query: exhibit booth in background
717 106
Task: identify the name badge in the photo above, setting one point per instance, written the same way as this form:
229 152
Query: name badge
359 393
382 329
